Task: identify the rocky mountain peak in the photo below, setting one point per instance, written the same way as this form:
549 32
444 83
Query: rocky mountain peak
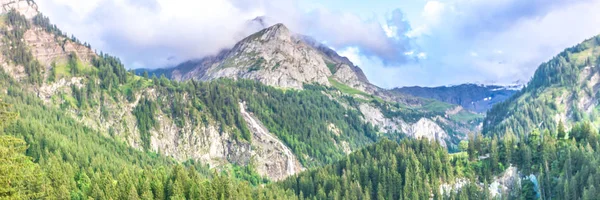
278 57
275 32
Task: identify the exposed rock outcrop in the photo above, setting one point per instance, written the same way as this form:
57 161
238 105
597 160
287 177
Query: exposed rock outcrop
272 56
423 128
274 158
47 48
504 182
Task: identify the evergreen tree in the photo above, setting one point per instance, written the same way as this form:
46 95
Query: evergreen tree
561 131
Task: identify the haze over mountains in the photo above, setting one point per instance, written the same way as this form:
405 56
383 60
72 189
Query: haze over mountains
477 98
282 116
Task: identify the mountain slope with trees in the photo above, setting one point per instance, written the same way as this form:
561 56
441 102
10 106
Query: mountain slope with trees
277 57
201 120
77 125
562 90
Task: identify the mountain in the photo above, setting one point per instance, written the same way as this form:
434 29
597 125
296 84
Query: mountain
274 56
158 116
564 89
473 97
75 124
224 123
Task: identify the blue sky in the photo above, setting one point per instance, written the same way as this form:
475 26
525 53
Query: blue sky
396 43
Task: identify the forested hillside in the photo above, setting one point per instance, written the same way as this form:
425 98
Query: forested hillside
562 90
64 160
413 169
545 165
194 120
154 115
75 124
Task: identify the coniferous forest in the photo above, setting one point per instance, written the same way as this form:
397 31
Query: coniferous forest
539 144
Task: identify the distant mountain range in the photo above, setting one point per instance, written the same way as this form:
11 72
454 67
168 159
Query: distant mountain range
475 97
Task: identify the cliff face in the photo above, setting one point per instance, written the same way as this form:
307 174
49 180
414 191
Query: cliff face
276 57
274 158
271 56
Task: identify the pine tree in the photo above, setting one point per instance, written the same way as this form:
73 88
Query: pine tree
132 195
21 178
560 134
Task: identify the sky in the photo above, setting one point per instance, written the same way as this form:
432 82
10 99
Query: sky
395 42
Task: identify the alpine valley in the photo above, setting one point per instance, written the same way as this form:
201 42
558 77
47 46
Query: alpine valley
281 116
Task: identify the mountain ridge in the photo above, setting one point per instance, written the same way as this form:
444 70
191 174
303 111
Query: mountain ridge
563 90
474 97
279 46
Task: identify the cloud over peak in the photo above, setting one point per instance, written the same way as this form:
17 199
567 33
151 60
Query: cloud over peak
157 33
430 42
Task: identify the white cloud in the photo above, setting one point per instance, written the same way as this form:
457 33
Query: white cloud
156 33
453 41
149 33
353 54
433 10
502 41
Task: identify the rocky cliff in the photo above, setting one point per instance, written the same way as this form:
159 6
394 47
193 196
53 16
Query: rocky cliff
275 56
271 56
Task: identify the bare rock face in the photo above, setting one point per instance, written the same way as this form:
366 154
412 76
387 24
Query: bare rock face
347 76
203 142
272 56
45 47
424 128
277 57
274 159
502 183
